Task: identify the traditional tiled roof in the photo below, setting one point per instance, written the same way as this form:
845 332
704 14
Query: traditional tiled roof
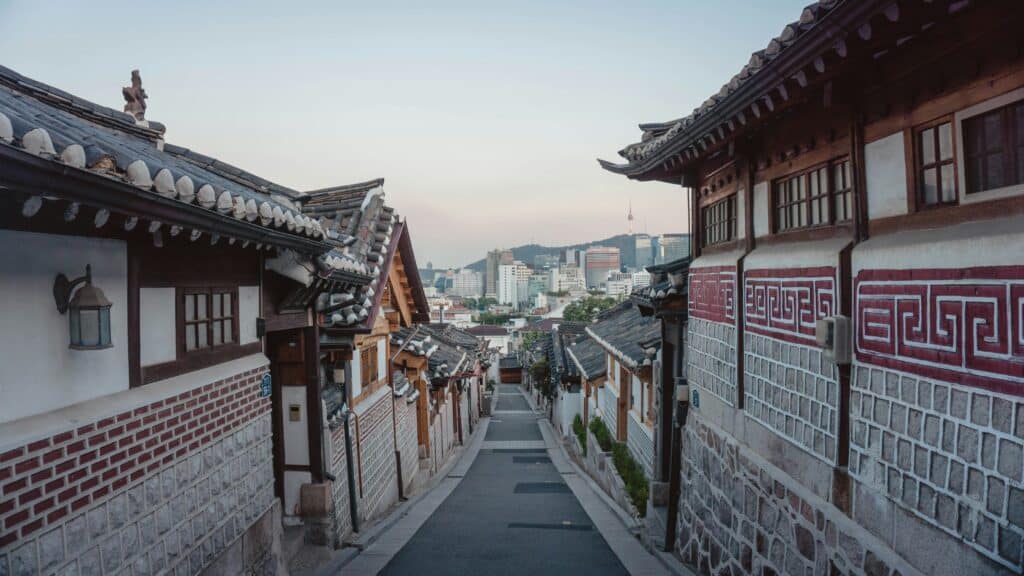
365 234
487 330
622 329
52 124
448 350
588 357
758 87
509 363
668 280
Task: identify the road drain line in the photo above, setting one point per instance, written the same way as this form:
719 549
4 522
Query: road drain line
531 460
563 526
541 488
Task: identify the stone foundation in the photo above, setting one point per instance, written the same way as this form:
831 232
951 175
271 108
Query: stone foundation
740 515
166 487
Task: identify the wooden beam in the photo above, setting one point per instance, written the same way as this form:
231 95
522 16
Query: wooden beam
394 278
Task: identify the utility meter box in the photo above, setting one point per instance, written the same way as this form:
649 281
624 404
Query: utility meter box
833 336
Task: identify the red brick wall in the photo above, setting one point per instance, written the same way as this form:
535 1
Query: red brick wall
47 480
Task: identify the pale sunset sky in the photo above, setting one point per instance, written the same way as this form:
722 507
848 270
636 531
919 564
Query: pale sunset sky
485 118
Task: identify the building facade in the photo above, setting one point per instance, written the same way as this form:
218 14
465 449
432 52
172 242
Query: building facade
850 351
600 260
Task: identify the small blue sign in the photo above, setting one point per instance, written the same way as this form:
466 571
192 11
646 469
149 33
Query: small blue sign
696 398
265 386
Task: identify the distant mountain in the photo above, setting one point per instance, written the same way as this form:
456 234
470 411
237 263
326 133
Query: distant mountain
624 242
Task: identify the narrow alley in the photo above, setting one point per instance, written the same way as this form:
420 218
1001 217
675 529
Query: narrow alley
513 491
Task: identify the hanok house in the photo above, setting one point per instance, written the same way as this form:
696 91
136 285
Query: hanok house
854 345
445 376
631 344
666 299
140 435
569 398
589 362
510 370
354 323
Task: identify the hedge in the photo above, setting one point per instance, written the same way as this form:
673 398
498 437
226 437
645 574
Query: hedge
629 469
581 432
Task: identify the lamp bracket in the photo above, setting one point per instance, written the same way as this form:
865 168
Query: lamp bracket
63 288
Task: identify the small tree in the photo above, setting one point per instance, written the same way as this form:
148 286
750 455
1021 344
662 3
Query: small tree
585 309
540 372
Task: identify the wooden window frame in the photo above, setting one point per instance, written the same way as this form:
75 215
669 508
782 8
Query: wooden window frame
728 221
832 195
181 323
920 166
368 358
1010 143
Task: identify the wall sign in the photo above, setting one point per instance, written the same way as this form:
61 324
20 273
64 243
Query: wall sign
265 386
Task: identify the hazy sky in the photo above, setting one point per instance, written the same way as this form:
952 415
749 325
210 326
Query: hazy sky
485 118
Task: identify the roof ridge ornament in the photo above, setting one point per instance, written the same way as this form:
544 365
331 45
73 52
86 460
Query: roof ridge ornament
135 99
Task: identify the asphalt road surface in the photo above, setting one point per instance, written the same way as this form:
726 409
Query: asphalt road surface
512 513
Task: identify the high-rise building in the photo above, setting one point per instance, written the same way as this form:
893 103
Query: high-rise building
644 251
600 260
541 261
507 285
513 284
575 256
674 246
467 283
491 274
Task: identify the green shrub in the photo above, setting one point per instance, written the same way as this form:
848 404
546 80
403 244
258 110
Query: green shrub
629 469
632 474
581 432
601 434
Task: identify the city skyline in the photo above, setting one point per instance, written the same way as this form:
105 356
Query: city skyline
493 145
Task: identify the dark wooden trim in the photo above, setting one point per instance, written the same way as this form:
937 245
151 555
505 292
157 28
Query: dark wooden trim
696 231
748 208
741 328
314 419
179 313
948 215
134 337
667 400
299 468
841 483
860 199
277 416
807 234
43 177
198 361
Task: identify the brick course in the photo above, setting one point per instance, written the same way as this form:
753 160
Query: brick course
164 486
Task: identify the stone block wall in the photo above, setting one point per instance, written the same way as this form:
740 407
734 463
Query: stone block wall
164 487
948 454
341 516
793 390
408 441
711 357
376 449
741 515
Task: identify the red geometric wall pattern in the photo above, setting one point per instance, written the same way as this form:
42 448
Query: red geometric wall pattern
711 292
787 303
962 325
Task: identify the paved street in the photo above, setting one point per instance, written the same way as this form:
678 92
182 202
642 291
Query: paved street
511 512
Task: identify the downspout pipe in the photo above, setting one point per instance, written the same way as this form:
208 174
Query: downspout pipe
350 468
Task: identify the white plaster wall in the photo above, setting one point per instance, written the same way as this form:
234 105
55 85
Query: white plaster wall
798 254
886 169
728 258
761 209
356 380
296 433
38 372
998 242
157 342
382 360
248 312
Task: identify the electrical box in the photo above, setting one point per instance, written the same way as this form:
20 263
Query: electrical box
295 413
682 390
833 336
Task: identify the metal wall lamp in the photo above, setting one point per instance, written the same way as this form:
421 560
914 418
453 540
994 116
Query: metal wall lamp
88 311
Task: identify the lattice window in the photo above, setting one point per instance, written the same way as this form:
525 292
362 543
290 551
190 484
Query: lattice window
719 221
994 148
210 317
936 164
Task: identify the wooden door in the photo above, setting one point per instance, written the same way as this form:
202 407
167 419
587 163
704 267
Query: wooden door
295 411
